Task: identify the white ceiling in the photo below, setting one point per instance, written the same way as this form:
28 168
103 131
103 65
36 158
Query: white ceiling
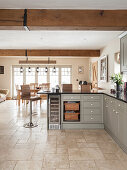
56 39
65 4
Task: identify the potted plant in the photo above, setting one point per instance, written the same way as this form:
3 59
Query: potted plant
117 78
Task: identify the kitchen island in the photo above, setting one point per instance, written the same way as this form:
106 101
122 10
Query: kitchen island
95 110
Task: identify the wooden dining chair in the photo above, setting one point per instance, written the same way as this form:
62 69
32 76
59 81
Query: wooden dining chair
17 88
44 86
33 86
26 95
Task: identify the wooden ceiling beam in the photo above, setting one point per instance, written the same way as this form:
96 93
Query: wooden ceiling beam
63 19
51 53
12 52
60 19
58 53
11 17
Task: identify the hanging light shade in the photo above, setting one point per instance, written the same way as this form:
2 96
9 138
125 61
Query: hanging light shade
46 69
54 69
37 69
29 69
21 69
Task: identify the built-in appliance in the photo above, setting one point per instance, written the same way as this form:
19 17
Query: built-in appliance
54 112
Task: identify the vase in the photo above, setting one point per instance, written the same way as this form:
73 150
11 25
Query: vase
118 87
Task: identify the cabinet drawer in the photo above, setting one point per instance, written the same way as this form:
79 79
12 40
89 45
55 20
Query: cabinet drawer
70 97
93 118
92 111
92 104
91 97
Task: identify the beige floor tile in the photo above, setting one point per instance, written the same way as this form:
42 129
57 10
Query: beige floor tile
109 165
18 154
56 157
61 150
121 155
28 165
86 154
83 165
108 147
7 165
111 156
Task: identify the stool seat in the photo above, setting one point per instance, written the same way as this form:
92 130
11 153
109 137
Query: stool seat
34 98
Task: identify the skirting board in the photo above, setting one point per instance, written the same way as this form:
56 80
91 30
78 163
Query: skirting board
123 147
82 126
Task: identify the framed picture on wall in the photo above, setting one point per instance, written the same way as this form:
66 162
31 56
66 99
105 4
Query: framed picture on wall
80 69
104 68
1 69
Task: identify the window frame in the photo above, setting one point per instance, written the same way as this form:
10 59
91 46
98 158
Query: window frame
36 74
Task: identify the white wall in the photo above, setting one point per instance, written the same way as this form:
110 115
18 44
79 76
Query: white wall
110 50
7 62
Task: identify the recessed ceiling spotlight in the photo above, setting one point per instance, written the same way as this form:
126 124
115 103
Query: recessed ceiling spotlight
85 39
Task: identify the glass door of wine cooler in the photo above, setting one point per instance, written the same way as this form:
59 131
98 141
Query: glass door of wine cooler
54 112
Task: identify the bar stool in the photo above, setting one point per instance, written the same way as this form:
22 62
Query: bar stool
25 95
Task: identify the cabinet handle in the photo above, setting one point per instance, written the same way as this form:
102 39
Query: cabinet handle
91 104
106 106
113 110
117 113
119 105
91 97
111 101
91 118
91 111
105 98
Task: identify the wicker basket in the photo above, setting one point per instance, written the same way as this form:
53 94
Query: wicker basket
71 116
71 106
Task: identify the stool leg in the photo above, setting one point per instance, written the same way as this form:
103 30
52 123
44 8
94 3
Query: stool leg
31 112
30 124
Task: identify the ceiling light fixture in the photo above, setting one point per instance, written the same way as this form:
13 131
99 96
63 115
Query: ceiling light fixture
29 69
54 69
25 21
21 69
46 68
37 69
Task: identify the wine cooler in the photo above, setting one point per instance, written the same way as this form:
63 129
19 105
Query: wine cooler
71 111
54 112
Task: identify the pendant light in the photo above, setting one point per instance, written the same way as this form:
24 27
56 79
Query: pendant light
21 69
37 69
29 69
54 69
46 68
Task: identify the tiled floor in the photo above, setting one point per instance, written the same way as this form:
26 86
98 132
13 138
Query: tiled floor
39 149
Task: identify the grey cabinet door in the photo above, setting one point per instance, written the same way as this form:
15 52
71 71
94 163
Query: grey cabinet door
110 115
106 110
123 54
122 124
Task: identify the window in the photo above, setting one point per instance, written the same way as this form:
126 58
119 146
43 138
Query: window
54 77
18 79
30 75
42 76
65 75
